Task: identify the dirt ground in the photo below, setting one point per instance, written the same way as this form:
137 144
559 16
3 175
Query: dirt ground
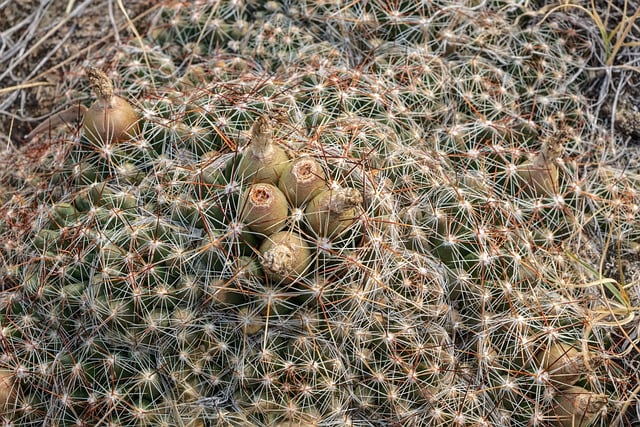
44 47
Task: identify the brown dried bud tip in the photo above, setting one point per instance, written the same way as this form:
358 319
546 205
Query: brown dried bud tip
280 259
261 137
344 199
100 83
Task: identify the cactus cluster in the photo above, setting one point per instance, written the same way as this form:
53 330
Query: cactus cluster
334 213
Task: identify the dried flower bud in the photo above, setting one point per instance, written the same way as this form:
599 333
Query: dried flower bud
285 256
577 407
110 119
264 208
333 211
564 363
262 161
302 180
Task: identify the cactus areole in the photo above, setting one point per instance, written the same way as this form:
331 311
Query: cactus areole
110 119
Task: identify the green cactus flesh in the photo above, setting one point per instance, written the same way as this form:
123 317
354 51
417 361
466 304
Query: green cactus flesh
136 290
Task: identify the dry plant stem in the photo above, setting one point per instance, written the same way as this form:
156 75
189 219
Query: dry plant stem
94 45
47 36
138 37
23 86
631 398
63 117
628 24
621 31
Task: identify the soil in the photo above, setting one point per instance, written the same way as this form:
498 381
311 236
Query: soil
44 49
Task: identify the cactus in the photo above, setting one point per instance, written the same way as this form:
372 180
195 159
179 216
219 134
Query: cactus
285 256
386 229
263 161
264 208
576 406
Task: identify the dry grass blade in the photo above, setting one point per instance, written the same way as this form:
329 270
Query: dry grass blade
41 43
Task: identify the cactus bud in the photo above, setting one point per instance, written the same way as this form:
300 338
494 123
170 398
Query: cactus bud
285 256
110 119
563 362
264 208
7 395
262 161
302 180
541 173
577 407
333 211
